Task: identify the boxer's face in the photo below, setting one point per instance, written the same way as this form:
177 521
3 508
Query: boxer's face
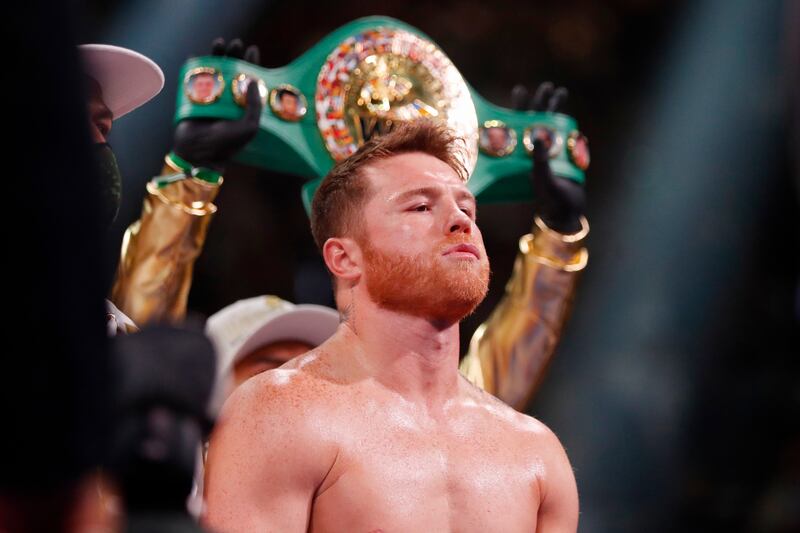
423 251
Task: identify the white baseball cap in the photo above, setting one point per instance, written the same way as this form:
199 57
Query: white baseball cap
128 79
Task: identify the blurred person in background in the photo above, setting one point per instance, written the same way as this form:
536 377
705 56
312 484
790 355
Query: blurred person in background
118 80
262 333
159 250
163 380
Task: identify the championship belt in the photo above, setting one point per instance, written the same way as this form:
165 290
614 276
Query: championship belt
362 78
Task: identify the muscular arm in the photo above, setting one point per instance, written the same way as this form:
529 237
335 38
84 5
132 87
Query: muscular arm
558 509
264 460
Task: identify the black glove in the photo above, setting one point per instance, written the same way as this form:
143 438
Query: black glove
560 202
209 142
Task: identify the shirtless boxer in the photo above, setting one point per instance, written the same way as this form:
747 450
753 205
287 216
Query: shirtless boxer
375 430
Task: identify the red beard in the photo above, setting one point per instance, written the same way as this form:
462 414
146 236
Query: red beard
426 285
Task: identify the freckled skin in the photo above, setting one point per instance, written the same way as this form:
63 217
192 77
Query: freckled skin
375 430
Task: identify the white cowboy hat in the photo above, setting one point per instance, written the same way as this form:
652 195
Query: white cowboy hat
127 78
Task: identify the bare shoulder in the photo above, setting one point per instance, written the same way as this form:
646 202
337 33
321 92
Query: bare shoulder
268 452
502 417
536 445
532 446
286 392
273 418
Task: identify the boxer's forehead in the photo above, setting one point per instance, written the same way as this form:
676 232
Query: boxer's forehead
399 174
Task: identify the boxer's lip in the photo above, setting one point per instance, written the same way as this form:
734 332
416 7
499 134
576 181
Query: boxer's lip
463 250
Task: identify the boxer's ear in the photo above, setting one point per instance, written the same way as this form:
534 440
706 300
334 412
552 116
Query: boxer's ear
344 259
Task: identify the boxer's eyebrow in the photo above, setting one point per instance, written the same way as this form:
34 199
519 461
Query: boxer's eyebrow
430 192
465 194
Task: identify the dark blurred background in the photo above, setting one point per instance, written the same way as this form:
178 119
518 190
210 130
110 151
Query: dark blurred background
676 389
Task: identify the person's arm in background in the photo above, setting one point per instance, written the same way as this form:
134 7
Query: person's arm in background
510 352
159 250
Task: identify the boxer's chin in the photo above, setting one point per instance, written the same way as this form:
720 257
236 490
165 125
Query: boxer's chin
433 287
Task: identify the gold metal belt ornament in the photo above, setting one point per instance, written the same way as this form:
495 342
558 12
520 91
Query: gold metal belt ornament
354 84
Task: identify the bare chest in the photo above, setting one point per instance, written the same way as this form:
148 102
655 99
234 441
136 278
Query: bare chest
392 475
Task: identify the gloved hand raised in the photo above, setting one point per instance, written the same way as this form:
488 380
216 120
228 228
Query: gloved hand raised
559 202
211 143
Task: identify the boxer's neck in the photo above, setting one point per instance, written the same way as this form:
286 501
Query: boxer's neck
414 356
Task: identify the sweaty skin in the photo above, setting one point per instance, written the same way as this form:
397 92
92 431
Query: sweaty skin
375 430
